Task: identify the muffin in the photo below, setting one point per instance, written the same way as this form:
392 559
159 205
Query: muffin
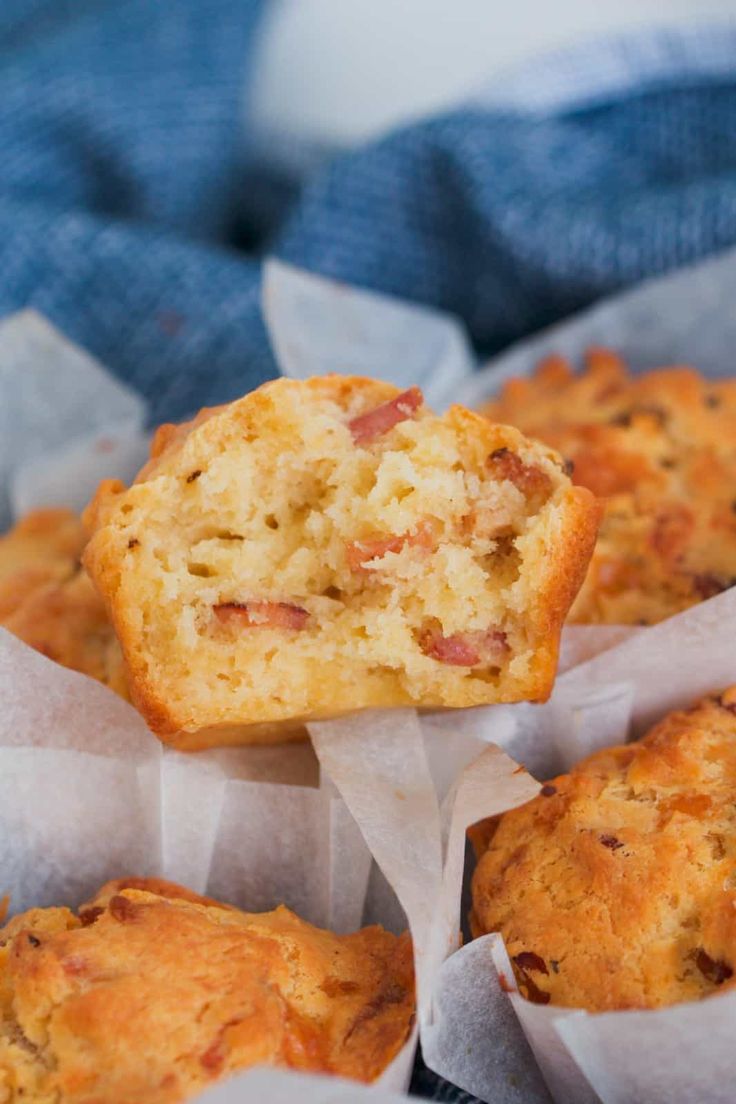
151 993
44 546
660 449
327 546
615 888
48 601
67 622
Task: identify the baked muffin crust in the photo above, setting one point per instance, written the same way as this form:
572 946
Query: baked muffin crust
66 621
616 887
149 995
44 546
660 449
48 601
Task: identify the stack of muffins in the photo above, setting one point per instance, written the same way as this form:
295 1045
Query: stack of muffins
322 547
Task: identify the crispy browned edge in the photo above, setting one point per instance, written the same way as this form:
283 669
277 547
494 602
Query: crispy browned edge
554 601
563 579
383 1019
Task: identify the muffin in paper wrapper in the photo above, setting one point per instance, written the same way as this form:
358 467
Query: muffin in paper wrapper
87 794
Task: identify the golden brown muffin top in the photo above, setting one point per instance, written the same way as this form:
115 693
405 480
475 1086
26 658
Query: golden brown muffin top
48 601
44 546
66 621
149 995
660 448
616 887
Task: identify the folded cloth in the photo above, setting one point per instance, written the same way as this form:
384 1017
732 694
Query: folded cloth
121 184
123 192
120 133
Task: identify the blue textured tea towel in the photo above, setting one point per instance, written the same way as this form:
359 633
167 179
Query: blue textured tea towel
123 191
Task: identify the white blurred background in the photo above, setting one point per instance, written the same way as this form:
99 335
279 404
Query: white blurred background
316 83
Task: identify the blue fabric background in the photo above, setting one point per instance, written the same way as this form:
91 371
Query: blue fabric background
125 193
122 190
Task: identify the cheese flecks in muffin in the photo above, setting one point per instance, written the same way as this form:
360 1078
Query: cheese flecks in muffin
325 546
151 993
616 887
660 449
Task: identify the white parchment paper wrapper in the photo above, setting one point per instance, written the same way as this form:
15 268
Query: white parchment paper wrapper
52 393
318 326
266 1086
392 776
87 794
69 476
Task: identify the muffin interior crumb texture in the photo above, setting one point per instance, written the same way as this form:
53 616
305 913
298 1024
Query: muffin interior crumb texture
616 887
315 548
151 993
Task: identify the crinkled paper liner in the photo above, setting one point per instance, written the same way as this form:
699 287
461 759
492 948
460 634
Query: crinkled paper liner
267 1086
56 397
87 794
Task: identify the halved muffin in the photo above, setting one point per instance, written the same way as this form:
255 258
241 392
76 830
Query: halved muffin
332 545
